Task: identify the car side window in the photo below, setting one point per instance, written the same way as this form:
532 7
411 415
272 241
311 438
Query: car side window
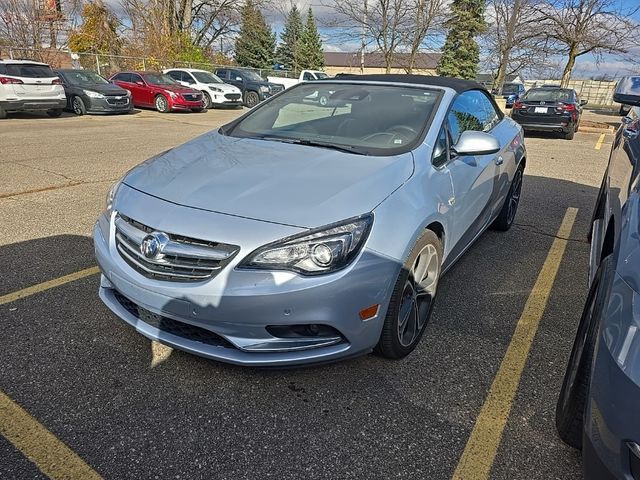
187 77
441 148
176 75
124 77
135 78
307 76
3 69
472 110
222 74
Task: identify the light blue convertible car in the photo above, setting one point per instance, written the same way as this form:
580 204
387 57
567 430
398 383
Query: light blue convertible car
304 233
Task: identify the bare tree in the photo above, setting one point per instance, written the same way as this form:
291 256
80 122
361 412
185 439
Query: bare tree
425 17
587 26
513 40
382 22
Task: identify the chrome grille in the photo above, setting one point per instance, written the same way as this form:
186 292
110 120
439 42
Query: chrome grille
232 96
192 97
276 87
181 259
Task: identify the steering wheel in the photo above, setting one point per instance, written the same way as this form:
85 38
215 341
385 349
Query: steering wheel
402 130
397 132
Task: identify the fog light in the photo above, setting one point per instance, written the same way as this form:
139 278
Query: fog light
322 255
369 312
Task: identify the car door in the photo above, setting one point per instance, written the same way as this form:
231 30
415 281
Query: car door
474 178
140 90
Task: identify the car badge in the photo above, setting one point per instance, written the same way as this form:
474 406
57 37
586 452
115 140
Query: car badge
542 103
153 244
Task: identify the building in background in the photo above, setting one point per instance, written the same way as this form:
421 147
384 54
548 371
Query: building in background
349 62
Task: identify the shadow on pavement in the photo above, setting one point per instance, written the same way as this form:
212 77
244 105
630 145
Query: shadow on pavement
88 376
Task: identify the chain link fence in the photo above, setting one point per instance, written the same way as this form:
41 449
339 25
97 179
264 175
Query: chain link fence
107 65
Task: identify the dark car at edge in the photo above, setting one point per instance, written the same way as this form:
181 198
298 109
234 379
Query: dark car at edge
254 88
599 404
88 92
549 109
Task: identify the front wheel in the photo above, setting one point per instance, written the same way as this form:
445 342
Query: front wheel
412 298
162 104
208 103
507 214
78 106
252 99
572 401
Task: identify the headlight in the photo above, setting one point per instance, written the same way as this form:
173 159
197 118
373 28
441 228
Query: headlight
215 89
172 94
128 94
92 94
111 195
320 251
264 89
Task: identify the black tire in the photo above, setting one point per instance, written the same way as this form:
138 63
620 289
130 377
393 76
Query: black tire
390 344
570 134
3 113
251 99
55 113
507 214
208 103
162 104
574 393
199 110
77 106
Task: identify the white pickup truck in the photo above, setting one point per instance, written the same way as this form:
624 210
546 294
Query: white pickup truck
305 76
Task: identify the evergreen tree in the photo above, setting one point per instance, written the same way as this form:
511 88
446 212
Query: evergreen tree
312 56
256 43
461 54
290 50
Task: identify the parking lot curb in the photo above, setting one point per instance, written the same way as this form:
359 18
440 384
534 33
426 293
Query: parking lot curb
595 129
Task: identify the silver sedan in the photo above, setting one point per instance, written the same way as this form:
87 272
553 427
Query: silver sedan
304 233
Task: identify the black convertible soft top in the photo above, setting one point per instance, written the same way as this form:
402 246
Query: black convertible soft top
456 84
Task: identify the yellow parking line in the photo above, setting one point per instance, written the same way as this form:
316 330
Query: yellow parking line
599 142
39 445
41 287
482 446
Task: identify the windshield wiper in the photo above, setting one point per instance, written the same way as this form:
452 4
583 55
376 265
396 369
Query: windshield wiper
312 143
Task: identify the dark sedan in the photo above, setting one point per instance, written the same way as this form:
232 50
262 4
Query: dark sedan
549 109
88 92
599 405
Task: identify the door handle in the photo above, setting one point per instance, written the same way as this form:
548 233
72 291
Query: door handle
499 160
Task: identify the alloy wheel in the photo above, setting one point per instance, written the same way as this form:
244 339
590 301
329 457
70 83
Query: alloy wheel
77 106
514 199
418 295
161 104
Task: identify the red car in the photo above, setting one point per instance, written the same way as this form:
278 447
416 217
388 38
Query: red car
159 91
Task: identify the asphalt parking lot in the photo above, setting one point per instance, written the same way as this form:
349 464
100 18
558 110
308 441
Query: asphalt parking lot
130 409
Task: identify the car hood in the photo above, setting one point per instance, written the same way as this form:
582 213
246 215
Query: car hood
271 181
105 89
224 87
175 88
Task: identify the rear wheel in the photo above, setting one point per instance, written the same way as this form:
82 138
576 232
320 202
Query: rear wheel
162 104
412 299
507 214
251 99
55 112
77 106
570 134
574 393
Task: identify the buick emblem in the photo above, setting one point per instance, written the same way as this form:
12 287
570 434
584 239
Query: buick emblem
153 244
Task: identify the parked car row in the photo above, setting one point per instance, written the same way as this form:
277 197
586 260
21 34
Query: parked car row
27 85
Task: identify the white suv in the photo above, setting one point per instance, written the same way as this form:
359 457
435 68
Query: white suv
215 91
30 86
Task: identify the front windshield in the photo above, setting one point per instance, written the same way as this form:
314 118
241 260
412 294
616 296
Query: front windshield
83 77
363 118
510 89
159 79
206 77
253 76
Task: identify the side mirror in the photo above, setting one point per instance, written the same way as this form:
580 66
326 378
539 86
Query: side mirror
238 79
627 91
476 143
583 102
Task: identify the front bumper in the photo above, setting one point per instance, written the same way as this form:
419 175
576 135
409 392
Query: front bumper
237 306
103 105
555 124
612 418
41 104
182 104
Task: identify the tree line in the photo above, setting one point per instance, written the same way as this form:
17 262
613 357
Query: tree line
501 36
